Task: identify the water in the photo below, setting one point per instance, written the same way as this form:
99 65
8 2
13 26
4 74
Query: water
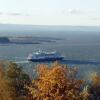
80 48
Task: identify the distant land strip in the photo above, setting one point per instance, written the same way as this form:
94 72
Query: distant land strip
27 40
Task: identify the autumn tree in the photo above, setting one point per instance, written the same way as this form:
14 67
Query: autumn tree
18 79
12 82
7 92
94 89
56 82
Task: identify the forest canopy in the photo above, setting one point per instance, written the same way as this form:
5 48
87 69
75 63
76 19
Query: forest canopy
53 82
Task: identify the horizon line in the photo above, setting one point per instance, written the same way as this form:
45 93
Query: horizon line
51 25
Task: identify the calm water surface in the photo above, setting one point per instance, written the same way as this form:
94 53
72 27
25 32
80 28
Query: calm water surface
80 50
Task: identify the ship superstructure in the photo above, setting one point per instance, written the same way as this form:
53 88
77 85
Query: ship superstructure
45 56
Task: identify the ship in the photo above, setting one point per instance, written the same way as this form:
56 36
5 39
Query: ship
41 56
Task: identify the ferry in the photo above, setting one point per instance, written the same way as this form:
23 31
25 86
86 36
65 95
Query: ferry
41 56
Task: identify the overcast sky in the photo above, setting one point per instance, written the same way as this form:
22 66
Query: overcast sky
50 12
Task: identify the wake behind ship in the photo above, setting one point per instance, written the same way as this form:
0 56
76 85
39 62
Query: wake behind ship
44 56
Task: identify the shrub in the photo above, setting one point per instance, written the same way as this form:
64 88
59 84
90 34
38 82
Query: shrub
57 82
12 82
94 89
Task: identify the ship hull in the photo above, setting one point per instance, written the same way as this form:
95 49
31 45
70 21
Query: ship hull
46 59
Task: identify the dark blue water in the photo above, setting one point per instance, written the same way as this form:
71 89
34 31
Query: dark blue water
80 48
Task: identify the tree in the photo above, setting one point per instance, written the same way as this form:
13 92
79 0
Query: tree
57 82
12 82
17 79
6 92
94 89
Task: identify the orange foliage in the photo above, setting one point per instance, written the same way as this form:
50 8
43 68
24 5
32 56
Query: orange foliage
95 79
94 90
56 82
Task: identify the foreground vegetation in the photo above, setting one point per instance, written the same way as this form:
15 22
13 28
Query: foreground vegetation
55 82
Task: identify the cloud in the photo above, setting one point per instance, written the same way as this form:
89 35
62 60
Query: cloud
14 14
73 11
95 18
1 13
17 14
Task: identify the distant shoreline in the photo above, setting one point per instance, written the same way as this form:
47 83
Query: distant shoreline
27 40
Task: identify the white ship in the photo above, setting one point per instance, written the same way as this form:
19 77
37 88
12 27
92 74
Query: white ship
44 56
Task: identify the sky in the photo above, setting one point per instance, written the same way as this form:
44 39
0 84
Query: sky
50 12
